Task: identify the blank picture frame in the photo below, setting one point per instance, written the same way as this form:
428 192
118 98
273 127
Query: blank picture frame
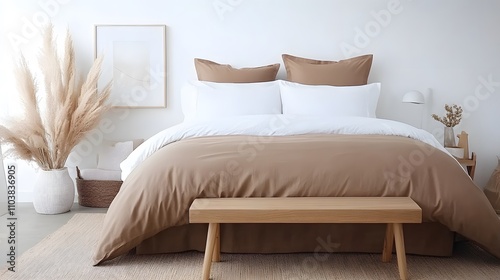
134 59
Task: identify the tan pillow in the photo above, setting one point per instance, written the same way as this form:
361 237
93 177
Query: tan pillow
349 72
224 73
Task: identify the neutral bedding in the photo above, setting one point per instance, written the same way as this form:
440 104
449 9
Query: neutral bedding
278 155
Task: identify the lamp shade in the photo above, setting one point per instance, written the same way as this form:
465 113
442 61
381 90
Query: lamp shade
414 96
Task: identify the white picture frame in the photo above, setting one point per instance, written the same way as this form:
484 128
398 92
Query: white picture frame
134 59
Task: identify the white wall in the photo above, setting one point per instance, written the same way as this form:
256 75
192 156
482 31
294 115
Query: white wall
447 46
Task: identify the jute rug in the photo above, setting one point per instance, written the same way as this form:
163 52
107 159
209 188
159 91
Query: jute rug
66 254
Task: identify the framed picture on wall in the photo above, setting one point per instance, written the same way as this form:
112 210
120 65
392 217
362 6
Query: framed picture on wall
134 59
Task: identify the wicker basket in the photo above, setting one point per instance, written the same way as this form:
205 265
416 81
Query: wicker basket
96 193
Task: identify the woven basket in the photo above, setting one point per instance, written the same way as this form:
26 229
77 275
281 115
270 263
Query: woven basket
96 193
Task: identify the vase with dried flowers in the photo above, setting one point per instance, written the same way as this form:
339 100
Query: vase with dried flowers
451 119
54 120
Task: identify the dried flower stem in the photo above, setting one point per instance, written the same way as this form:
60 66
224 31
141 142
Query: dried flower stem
453 115
72 107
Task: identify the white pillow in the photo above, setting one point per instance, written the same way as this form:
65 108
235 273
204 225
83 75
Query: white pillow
300 99
189 94
110 156
207 100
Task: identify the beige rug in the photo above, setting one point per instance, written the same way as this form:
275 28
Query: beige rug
66 254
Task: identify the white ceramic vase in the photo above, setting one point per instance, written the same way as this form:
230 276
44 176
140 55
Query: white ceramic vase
449 137
54 191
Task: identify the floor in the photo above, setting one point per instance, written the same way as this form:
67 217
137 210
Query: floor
32 227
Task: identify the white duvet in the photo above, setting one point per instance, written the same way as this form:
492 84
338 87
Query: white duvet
273 125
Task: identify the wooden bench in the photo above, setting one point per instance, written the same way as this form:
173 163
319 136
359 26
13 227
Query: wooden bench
393 211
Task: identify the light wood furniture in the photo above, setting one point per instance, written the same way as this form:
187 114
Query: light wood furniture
393 211
463 142
470 164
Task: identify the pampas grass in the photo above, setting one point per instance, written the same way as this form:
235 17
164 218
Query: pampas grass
48 132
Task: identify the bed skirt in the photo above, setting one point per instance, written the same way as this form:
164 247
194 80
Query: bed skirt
431 239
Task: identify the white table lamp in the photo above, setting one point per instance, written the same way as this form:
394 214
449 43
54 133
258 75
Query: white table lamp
414 96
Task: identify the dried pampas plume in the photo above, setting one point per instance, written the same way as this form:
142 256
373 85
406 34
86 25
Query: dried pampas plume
48 132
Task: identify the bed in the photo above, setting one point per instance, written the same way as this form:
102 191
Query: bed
285 139
306 156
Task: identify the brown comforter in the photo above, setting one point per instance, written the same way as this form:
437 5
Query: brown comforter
158 193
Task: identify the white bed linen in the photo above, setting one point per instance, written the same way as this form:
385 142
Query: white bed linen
209 100
335 101
273 125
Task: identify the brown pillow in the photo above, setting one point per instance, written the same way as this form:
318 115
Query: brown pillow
349 72
223 73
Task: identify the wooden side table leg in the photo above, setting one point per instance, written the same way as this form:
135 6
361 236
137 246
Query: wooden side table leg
216 255
400 250
388 242
209 250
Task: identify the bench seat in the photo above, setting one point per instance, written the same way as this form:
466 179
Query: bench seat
393 211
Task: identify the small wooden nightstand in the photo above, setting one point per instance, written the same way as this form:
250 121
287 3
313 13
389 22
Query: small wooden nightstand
470 164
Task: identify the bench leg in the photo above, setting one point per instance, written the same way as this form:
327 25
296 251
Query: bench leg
209 249
400 250
388 242
216 254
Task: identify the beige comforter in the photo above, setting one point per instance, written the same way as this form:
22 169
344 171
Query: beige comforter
158 193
